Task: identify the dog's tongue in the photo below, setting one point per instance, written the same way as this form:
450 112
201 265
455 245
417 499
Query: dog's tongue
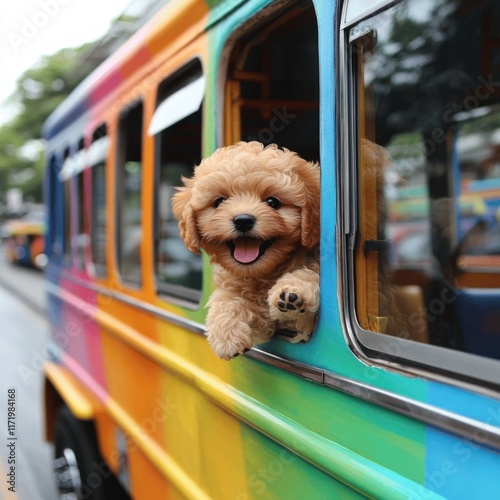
246 250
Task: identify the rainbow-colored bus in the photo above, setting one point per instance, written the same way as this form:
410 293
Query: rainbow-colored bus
396 395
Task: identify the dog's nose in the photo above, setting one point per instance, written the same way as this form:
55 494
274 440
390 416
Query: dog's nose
244 222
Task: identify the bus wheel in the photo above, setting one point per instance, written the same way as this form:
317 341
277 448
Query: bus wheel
79 469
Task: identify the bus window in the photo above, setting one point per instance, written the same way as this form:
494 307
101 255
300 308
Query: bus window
426 240
176 126
272 86
72 177
79 240
67 212
128 193
51 199
98 231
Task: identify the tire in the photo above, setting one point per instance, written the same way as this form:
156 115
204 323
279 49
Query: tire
79 469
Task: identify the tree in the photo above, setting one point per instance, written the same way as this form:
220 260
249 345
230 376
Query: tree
39 91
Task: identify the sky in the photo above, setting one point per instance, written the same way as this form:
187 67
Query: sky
30 29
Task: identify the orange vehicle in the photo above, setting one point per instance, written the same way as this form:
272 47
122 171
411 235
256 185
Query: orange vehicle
25 242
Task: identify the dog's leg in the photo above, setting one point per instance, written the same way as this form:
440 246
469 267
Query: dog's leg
294 301
232 325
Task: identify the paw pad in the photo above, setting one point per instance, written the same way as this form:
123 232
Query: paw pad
290 302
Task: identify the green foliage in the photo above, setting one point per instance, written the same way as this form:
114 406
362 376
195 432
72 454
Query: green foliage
39 91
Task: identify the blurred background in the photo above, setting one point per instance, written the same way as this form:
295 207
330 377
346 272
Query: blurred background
47 48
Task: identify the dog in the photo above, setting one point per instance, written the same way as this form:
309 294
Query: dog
255 211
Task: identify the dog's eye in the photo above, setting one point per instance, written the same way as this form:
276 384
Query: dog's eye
273 202
218 201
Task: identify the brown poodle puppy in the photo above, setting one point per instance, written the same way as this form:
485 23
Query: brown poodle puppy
255 211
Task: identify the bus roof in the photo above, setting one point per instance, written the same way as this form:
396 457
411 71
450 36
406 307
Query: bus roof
115 70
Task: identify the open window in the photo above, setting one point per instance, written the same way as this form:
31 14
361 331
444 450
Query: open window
271 92
177 128
272 85
422 99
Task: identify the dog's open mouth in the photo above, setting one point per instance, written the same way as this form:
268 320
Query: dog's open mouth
248 250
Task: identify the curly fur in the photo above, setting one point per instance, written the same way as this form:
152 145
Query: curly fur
255 295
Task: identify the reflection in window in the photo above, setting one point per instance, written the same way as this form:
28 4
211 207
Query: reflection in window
427 265
178 147
129 178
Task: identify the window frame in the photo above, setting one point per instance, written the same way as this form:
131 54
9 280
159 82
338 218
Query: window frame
67 207
120 161
97 159
79 238
418 359
180 80
52 243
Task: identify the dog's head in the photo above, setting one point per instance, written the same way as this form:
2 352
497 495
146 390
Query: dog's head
250 208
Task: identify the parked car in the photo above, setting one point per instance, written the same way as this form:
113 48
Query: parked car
25 241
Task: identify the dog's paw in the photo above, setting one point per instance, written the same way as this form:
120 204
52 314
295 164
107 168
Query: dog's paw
294 309
229 346
229 350
288 303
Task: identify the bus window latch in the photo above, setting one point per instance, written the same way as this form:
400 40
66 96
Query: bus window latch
377 245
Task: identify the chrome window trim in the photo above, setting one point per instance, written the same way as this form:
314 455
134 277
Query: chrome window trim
172 318
472 430
373 8
422 360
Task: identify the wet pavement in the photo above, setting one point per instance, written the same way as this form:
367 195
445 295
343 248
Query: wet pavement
25 458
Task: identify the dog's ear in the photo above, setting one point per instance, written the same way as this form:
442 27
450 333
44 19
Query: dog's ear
183 211
309 175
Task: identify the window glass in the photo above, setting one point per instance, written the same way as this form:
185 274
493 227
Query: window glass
272 86
80 238
53 246
98 237
67 214
99 225
128 193
178 150
427 93
51 197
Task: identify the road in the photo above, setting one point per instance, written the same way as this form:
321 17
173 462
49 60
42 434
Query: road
23 340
